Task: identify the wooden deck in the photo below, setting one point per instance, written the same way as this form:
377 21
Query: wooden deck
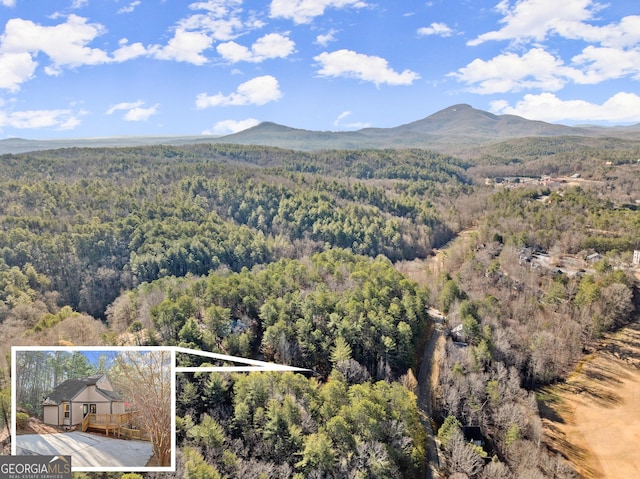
106 422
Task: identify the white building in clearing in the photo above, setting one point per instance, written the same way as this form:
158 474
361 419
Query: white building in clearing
636 257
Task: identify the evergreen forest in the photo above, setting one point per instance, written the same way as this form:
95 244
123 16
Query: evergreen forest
347 263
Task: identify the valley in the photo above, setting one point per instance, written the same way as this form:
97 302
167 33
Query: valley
351 263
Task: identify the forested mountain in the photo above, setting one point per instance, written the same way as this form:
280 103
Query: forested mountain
95 222
296 257
453 130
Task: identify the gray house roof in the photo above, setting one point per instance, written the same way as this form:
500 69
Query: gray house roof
69 389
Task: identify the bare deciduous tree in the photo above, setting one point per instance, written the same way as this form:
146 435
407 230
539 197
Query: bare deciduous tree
144 377
463 457
496 470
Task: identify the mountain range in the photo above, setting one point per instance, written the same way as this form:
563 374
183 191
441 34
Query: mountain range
454 130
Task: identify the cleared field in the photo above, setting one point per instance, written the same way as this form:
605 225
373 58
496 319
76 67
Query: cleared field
594 418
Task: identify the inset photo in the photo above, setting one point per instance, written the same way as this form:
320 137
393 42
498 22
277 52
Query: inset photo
110 409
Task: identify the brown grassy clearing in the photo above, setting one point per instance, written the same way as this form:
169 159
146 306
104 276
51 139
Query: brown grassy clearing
593 419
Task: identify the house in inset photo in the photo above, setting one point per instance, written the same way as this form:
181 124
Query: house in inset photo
74 399
105 407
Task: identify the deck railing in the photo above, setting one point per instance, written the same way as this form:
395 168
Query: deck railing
105 421
118 423
85 422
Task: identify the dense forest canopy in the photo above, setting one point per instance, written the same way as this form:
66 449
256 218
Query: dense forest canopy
95 222
296 257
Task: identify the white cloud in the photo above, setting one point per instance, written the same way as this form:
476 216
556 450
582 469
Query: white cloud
234 52
349 126
439 29
605 63
527 20
257 91
221 21
135 111
226 127
68 44
141 114
221 29
620 108
342 116
535 19
60 119
65 44
185 46
15 69
196 33
511 72
347 63
327 38
219 8
539 69
613 49
272 45
124 106
218 20
129 8
304 11
79 4
623 34
129 52
8 3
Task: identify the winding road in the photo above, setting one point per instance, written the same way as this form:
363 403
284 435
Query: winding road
434 349
427 383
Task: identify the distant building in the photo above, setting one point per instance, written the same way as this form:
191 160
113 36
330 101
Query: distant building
473 435
457 334
592 258
636 257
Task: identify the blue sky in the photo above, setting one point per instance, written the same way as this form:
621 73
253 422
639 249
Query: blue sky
95 68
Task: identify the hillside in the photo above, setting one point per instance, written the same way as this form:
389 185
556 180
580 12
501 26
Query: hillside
452 130
298 257
20 145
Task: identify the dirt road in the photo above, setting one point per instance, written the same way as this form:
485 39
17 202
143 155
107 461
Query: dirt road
427 382
419 271
428 378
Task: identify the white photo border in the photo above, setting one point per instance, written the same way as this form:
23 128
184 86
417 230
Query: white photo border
169 349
